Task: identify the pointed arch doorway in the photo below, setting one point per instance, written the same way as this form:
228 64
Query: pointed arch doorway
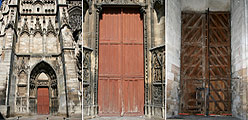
43 89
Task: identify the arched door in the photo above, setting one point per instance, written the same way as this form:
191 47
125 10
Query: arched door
43 94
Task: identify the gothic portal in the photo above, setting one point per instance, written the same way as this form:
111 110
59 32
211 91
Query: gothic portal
40 51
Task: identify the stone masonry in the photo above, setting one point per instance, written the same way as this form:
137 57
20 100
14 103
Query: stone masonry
239 39
40 46
173 45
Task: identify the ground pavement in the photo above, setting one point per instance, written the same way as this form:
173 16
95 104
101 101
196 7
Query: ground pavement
45 117
172 118
191 117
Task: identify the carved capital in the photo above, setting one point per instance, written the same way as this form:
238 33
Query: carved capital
99 9
87 6
160 2
143 10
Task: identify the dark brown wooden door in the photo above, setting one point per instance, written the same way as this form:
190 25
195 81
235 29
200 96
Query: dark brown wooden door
43 101
121 65
193 67
205 63
219 64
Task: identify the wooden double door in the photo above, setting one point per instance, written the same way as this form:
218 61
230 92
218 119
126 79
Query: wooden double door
206 63
121 63
42 101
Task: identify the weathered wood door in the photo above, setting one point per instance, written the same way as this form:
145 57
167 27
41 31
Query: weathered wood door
205 63
42 101
121 63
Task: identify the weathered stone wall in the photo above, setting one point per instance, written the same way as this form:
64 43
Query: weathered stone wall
35 40
67 28
30 62
73 84
239 44
203 5
173 45
89 41
158 24
5 70
7 36
73 101
35 37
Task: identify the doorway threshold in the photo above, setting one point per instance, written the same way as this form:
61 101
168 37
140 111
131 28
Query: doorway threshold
46 117
196 117
125 118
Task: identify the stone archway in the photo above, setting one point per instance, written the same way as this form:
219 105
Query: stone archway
42 79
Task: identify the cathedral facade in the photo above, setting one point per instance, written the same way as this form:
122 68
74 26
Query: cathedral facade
40 51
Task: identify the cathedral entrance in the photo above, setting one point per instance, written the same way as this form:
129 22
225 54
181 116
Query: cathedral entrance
43 91
43 101
121 62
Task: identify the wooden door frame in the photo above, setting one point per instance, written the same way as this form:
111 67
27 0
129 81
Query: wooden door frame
94 83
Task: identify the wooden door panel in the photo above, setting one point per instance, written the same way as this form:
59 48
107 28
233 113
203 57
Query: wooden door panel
110 23
205 63
220 63
133 59
121 74
109 99
133 63
133 100
109 61
132 26
192 62
42 101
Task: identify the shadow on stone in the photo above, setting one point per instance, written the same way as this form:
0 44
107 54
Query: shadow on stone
175 117
1 116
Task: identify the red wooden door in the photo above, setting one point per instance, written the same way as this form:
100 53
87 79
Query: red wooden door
43 101
121 65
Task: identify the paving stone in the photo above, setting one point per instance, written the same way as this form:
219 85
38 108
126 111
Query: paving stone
45 117
124 118
202 118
